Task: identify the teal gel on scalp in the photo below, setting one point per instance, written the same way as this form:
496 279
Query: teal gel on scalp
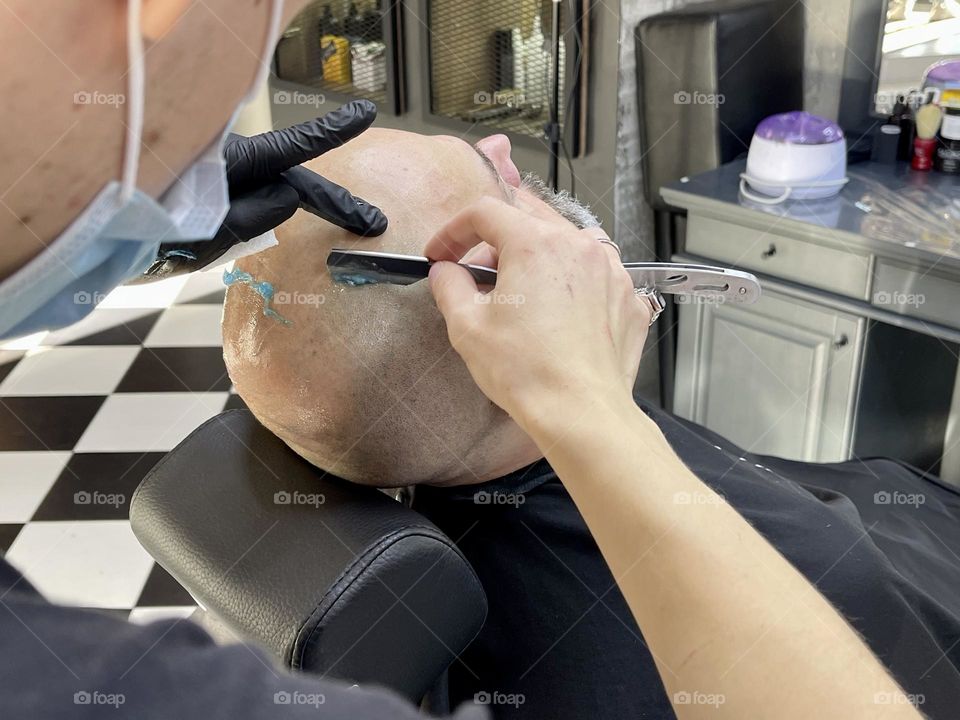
262 288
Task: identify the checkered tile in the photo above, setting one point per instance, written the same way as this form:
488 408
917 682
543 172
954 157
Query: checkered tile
85 413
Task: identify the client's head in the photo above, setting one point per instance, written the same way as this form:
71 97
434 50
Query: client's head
362 381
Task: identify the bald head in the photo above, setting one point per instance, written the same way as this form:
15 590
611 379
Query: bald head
362 381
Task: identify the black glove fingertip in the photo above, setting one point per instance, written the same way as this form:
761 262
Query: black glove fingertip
377 222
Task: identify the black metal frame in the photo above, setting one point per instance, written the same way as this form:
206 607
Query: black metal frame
396 58
857 112
572 132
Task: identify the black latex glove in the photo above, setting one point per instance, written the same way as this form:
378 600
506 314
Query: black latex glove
267 186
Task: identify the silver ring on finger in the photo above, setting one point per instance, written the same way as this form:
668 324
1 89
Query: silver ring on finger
654 300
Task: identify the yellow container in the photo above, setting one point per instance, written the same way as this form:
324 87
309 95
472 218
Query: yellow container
335 54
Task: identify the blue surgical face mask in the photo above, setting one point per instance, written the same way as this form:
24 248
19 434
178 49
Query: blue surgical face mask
118 234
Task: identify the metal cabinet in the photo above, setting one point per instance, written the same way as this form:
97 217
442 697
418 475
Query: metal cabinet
779 377
809 261
854 349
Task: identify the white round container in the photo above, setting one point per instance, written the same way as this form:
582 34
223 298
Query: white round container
806 171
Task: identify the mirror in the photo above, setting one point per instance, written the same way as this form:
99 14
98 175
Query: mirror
916 34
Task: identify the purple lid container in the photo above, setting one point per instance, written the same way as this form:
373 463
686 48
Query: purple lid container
799 128
944 71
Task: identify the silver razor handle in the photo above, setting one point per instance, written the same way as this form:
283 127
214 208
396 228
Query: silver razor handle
697 280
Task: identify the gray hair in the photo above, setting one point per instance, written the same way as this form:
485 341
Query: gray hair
562 202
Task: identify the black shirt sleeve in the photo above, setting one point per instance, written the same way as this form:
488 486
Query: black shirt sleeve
58 662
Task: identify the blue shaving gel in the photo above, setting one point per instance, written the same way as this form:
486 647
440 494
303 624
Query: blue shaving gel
345 278
263 289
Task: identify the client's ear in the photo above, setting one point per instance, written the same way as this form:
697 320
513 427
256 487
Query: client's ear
158 16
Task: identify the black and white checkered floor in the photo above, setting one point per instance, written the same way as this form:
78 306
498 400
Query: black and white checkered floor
84 414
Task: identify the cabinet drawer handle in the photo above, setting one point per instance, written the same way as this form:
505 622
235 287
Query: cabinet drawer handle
842 341
769 252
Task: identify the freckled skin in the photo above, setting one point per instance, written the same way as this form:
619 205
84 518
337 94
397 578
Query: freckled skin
364 384
198 68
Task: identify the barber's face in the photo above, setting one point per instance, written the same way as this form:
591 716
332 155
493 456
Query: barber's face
63 140
200 64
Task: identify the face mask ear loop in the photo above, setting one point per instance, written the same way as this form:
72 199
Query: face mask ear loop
135 101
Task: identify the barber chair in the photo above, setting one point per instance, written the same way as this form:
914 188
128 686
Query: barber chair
331 578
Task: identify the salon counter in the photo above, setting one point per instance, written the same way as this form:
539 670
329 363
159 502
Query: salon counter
853 350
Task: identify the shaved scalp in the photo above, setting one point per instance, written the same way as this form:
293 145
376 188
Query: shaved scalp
362 381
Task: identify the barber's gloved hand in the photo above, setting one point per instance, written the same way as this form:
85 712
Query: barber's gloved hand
562 325
267 186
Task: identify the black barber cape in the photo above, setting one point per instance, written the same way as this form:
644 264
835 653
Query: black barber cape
58 662
559 641
879 539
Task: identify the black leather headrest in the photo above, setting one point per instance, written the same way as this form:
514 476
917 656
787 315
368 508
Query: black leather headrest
333 578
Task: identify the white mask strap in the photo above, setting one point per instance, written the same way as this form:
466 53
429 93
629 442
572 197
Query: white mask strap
135 101
136 82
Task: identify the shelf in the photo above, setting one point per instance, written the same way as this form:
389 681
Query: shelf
491 63
345 48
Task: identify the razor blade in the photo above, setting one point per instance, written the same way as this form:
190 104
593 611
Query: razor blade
365 267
